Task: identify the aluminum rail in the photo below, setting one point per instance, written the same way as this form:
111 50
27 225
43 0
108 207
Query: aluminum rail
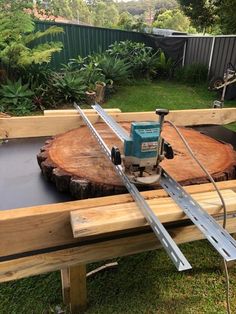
168 243
221 240
117 129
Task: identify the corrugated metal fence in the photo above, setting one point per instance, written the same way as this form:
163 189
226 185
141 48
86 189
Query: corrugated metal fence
214 52
84 40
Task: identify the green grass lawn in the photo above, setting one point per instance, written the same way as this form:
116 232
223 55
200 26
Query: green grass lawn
142 283
147 96
146 283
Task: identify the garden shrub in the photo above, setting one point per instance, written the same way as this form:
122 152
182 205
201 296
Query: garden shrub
21 77
114 69
67 87
143 60
164 66
16 98
193 74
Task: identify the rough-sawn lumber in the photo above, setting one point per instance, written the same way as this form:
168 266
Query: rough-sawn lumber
115 218
126 245
48 125
39 227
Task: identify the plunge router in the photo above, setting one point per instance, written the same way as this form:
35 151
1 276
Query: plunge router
140 163
144 149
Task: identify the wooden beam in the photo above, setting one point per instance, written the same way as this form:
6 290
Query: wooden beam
35 126
33 228
38 264
78 290
4 115
63 112
65 285
212 114
115 218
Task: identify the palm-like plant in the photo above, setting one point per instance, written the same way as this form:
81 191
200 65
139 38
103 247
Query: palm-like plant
16 98
114 69
68 87
91 73
74 64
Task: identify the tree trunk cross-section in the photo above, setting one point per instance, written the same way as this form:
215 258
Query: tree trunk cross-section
75 162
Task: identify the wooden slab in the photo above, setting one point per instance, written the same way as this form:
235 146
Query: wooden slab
75 163
116 218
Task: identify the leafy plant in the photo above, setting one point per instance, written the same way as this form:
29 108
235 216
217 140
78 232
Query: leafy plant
16 98
92 73
114 69
17 32
164 66
67 87
145 64
126 50
44 96
141 59
74 64
36 75
193 73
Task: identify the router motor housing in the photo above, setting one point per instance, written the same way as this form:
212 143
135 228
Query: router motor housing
141 149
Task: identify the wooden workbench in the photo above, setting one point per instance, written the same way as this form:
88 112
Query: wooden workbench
40 239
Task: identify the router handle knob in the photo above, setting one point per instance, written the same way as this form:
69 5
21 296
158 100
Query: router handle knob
162 112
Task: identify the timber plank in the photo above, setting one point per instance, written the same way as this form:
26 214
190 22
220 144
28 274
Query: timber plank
38 264
114 218
38 227
74 111
35 126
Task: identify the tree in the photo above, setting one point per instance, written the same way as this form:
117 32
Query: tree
226 12
70 9
16 5
105 15
139 25
158 12
80 11
17 32
140 6
126 21
173 19
201 12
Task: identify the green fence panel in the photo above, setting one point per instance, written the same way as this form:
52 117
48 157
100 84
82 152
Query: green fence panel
84 40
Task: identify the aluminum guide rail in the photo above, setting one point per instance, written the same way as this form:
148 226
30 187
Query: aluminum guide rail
168 243
216 235
221 240
117 129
